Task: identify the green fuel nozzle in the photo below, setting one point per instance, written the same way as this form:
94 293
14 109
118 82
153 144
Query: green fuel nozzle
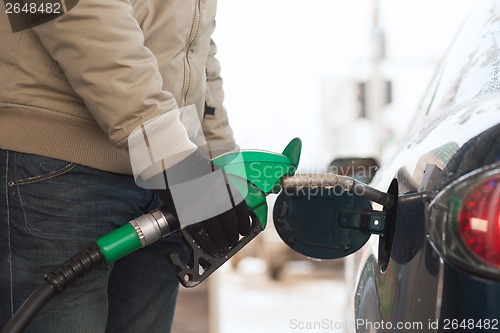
255 174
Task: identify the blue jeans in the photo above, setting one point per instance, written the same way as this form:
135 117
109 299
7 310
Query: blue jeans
50 210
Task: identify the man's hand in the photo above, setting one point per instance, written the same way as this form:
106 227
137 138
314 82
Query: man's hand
200 194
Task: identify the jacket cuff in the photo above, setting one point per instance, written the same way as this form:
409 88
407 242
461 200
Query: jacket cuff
156 146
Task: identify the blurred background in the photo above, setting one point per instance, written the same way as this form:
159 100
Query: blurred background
345 77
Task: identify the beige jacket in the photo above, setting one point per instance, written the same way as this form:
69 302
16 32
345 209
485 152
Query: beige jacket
75 87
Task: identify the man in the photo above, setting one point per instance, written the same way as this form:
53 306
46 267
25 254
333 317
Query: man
93 97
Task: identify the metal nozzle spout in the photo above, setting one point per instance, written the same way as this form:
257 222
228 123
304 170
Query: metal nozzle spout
333 181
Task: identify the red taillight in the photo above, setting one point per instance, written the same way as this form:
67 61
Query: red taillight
463 221
479 220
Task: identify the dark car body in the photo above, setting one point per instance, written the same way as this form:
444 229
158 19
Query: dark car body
421 276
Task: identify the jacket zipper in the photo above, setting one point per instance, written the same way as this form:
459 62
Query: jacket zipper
187 66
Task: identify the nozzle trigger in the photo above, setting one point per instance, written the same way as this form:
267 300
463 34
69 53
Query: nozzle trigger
202 265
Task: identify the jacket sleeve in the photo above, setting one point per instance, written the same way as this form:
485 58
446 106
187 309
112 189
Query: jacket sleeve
216 128
100 47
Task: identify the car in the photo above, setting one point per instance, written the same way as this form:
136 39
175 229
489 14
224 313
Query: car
428 259
437 267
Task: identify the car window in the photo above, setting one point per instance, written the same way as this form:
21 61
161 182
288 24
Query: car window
469 68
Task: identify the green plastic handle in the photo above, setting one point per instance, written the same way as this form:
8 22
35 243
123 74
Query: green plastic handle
119 243
257 173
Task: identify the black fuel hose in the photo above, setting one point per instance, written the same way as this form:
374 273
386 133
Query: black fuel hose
30 308
62 277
